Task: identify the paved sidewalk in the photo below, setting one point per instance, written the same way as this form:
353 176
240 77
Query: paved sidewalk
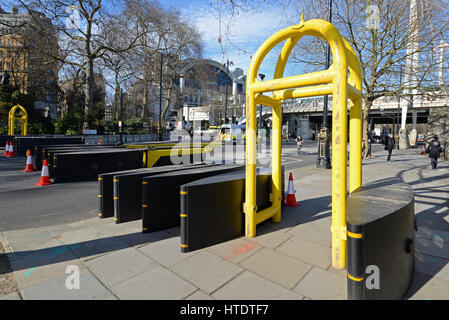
287 260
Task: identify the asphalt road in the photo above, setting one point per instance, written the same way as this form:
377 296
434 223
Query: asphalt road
23 205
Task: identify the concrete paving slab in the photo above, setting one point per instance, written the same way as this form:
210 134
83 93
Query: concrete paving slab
319 284
206 271
270 240
307 251
436 247
115 267
33 275
425 287
199 295
432 266
250 286
155 284
276 267
93 248
55 289
167 251
235 250
313 234
11 296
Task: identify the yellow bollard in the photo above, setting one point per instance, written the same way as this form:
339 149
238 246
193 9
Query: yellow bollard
333 81
23 120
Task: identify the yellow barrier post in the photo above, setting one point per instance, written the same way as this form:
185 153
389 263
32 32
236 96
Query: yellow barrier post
23 120
333 81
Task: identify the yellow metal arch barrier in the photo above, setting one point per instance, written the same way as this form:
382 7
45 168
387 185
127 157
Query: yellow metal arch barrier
335 82
23 120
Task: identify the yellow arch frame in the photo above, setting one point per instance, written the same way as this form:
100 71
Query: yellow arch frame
23 120
333 81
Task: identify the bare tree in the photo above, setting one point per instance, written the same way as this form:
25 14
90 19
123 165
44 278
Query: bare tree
380 31
78 24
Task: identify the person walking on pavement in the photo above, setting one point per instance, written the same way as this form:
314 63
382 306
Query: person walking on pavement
389 145
434 150
299 140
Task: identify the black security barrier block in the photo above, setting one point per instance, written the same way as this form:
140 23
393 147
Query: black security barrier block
128 190
380 240
41 152
212 208
106 190
23 143
5 138
161 197
52 153
79 166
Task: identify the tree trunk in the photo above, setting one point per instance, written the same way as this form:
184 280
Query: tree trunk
365 124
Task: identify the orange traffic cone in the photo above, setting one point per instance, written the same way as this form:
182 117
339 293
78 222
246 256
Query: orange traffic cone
29 167
6 154
45 178
422 151
11 150
290 200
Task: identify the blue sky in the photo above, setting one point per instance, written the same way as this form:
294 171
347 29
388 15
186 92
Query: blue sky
241 33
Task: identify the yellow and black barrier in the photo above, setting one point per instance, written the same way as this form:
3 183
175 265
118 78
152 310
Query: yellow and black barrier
78 166
106 191
161 197
162 156
127 190
218 217
380 237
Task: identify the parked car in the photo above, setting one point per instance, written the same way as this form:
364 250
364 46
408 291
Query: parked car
378 139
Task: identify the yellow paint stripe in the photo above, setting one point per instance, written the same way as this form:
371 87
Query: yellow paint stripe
100 214
144 182
183 216
115 219
115 198
355 235
183 192
100 196
144 206
144 229
183 245
99 179
354 279
115 180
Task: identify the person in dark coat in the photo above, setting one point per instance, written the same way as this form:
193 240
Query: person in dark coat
434 150
389 145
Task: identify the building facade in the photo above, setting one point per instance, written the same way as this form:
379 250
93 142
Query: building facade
27 56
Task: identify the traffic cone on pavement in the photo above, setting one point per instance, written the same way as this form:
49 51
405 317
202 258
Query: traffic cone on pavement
45 178
422 151
6 154
29 167
290 200
11 150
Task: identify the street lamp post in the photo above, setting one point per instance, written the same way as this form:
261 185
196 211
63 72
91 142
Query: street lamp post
120 123
323 158
159 130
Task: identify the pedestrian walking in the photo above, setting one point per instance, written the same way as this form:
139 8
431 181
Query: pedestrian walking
389 145
299 140
434 149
